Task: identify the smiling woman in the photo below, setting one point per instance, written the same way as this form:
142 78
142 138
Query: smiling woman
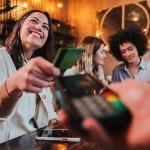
34 31
91 60
29 22
128 46
25 98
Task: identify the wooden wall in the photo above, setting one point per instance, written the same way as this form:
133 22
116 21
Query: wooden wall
82 14
79 13
47 5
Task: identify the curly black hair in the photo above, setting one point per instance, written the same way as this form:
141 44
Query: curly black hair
131 34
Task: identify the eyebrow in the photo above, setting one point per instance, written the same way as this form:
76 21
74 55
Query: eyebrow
126 48
130 47
39 20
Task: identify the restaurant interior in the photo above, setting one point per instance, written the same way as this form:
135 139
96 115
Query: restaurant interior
72 20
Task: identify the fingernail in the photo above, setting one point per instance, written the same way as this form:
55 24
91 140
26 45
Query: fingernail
56 71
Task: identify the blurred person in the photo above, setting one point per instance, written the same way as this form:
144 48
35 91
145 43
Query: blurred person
91 59
135 95
6 29
25 96
128 46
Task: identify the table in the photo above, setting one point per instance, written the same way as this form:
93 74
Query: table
28 142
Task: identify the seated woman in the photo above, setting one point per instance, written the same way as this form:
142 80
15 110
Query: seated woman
91 60
128 46
25 97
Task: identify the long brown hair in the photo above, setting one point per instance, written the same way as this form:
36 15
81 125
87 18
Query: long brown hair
14 45
85 63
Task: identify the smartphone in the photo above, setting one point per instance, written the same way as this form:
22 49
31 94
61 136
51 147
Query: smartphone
83 96
63 135
66 57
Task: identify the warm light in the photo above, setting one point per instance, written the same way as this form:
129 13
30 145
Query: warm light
99 10
97 34
59 5
106 48
135 18
144 30
61 147
58 25
149 42
148 3
35 1
25 5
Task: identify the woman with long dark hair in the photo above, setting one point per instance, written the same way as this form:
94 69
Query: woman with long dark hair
25 98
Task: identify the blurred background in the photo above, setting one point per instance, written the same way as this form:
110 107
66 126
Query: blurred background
74 19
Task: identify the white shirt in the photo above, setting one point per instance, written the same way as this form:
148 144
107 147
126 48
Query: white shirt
17 123
73 71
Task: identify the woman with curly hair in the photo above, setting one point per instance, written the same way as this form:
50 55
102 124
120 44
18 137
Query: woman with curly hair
128 46
91 60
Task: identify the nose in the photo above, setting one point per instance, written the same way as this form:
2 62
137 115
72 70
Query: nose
38 27
127 53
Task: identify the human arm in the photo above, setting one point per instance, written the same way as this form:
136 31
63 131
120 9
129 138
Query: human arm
135 96
32 77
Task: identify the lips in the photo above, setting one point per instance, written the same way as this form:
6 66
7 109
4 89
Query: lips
36 33
130 58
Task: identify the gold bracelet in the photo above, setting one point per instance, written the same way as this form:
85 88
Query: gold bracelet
11 95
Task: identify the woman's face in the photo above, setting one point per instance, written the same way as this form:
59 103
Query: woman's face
99 56
129 52
34 32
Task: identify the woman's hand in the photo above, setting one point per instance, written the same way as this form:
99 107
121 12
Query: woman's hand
32 77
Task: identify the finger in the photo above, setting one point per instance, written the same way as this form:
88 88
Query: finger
41 75
63 117
95 130
51 83
129 91
46 66
33 89
31 79
39 83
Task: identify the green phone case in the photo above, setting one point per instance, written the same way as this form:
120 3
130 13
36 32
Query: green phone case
67 57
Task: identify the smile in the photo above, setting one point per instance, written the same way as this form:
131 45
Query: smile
37 34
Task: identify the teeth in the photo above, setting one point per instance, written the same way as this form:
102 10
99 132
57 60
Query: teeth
36 34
